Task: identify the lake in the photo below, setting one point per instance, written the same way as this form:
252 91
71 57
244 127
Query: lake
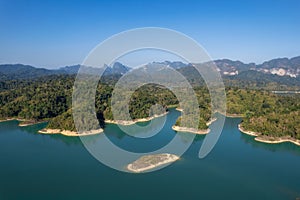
35 166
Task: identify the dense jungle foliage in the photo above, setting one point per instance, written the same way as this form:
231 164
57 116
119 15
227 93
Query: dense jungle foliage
50 99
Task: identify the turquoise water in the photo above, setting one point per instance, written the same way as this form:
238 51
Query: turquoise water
36 166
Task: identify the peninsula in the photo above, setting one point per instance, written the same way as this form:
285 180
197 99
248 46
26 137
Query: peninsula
269 139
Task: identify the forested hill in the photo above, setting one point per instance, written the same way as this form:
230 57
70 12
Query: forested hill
49 98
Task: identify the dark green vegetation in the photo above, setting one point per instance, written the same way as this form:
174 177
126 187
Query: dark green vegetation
269 114
41 99
49 98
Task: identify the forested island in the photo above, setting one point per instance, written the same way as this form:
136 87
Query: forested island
272 117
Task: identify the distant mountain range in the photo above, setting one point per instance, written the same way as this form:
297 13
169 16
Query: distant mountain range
284 69
19 71
279 66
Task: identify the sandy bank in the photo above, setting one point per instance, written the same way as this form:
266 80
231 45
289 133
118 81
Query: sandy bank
234 115
13 118
29 123
148 162
70 133
268 139
179 109
211 121
252 133
127 123
24 122
190 130
274 140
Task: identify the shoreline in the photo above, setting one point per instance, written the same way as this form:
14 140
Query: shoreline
5 120
179 109
211 121
193 130
202 132
268 139
234 115
28 123
251 133
127 123
274 140
172 106
13 118
190 130
23 122
70 133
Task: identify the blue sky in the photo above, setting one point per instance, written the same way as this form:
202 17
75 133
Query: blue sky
58 33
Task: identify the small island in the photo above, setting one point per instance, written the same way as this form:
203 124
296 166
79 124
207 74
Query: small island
148 162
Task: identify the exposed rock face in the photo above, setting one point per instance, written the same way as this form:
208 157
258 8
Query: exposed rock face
279 66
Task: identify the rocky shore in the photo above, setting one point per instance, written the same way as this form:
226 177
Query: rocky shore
190 130
269 139
70 133
127 123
